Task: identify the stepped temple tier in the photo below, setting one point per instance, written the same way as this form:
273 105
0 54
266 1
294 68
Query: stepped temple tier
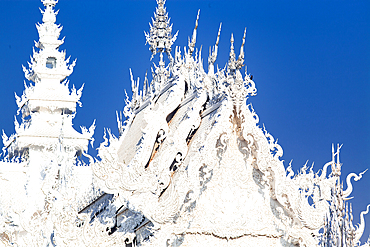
192 165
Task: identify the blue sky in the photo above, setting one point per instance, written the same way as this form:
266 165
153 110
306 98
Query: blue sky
310 61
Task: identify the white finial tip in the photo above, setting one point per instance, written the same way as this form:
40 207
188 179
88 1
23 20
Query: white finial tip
196 22
218 34
49 2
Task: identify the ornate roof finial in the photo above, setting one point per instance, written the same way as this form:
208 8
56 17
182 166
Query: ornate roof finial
49 2
194 37
238 87
160 75
213 51
160 38
233 63
240 61
232 60
48 62
49 16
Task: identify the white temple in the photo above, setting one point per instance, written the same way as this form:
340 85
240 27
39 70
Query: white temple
191 166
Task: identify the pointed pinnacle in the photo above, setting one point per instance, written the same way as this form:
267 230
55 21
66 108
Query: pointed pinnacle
132 81
245 32
241 55
218 35
232 45
196 22
194 36
159 37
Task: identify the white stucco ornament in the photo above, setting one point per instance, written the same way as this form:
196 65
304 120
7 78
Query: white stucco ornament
193 160
191 166
42 181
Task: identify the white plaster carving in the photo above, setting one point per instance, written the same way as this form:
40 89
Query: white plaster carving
191 166
205 170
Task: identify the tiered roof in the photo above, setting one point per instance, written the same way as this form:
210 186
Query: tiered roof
47 105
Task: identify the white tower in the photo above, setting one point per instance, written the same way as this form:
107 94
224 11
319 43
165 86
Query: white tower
48 106
191 167
41 170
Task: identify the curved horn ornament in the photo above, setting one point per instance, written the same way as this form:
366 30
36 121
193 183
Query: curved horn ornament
349 189
361 227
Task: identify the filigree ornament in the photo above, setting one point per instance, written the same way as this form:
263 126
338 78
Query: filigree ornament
182 170
191 165
160 38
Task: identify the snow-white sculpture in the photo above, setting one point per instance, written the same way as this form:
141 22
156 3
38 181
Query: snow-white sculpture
339 229
159 37
40 173
191 166
192 159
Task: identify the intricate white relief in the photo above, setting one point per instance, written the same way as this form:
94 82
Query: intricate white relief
190 167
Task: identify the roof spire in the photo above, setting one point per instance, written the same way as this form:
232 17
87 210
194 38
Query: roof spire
213 51
240 61
236 64
232 60
49 63
238 87
194 37
159 37
49 16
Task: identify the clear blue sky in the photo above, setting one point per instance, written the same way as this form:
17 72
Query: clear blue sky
310 61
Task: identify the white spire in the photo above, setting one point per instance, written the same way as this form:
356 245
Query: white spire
49 104
231 65
160 38
191 43
49 63
213 51
239 88
240 61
